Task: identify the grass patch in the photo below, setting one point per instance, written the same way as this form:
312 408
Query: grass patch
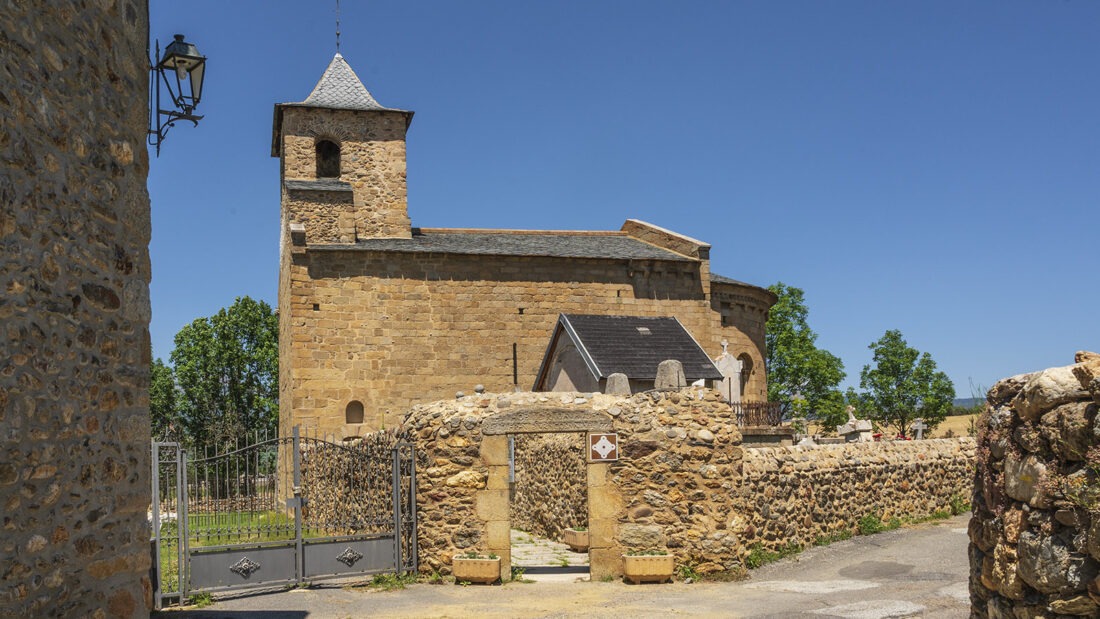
518 572
838 536
201 600
391 582
687 572
871 524
759 556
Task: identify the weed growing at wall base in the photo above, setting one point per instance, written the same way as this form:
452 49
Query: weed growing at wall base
825 540
758 555
871 524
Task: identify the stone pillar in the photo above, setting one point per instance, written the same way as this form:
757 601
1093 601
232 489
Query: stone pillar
605 504
74 357
493 506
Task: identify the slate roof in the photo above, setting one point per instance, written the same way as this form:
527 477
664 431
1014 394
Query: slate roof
340 88
323 184
554 244
635 345
722 279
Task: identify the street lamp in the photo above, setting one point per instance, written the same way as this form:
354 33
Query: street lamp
189 67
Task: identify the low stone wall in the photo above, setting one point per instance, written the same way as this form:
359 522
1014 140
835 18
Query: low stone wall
1035 532
551 488
799 494
349 486
671 487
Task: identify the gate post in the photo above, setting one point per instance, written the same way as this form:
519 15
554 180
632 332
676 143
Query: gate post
157 593
299 559
182 500
397 531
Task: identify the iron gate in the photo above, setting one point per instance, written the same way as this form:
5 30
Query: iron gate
288 510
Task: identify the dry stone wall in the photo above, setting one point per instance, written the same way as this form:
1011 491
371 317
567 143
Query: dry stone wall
551 487
74 310
682 481
671 487
799 494
1035 532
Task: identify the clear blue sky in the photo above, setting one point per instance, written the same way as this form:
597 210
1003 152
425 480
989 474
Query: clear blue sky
932 167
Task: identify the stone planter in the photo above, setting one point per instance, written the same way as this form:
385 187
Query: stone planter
481 569
648 568
576 540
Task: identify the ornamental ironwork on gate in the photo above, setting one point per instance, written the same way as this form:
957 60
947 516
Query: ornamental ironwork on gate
288 510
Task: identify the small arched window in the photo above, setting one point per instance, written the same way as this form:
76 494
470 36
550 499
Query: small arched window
354 412
328 159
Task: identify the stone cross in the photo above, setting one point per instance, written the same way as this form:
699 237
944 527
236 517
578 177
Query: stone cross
919 427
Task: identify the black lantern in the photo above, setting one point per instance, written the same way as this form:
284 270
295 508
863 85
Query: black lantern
188 68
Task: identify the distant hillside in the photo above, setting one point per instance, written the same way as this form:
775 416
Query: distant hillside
967 402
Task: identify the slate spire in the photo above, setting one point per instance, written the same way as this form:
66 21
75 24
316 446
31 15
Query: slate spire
340 88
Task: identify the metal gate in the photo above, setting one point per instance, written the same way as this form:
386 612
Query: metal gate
289 510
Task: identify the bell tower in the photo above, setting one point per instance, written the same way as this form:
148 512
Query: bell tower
342 157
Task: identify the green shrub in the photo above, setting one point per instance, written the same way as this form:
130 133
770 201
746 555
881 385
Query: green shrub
959 504
758 555
871 524
825 540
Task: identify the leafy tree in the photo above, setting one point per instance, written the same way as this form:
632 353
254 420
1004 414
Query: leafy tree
801 376
227 372
904 385
162 402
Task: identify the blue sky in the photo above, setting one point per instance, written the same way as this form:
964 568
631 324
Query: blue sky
932 167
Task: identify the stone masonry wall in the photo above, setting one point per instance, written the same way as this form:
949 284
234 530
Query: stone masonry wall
551 488
799 494
671 487
392 330
372 160
682 482
1035 530
74 310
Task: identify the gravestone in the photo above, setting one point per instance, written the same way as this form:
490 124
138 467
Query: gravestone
617 384
730 367
670 375
919 427
856 430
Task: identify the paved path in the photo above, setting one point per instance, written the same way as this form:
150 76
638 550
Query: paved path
913 572
544 560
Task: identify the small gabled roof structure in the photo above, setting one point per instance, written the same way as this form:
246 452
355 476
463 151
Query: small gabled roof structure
631 345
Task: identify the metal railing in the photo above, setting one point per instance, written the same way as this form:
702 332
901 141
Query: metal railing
757 413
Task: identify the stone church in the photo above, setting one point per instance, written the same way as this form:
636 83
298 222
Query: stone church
376 315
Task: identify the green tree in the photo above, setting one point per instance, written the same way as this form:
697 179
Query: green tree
904 385
162 402
227 372
805 379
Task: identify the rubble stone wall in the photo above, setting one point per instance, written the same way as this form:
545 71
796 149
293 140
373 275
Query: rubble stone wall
74 310
551 487
799 494
1035 530
682 481
671 487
